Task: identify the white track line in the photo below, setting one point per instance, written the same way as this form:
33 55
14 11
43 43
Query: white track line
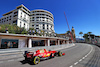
75 63
80 60
71 66
82 57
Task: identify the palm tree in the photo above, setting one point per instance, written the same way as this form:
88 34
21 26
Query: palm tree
89 33
68 32
86 37
81 33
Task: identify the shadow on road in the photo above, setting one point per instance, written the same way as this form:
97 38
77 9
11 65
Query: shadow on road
30 63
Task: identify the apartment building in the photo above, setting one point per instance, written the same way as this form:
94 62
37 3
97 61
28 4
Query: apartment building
38 19
42 20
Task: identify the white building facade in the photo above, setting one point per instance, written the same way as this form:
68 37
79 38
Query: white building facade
20 16
42 20
23 17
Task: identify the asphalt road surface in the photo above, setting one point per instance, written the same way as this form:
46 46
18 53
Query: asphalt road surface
80 55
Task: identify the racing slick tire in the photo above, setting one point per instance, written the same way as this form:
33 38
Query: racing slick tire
59 53
52 55
25 58
36 60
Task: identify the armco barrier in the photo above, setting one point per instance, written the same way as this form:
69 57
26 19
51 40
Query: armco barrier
54 47
6 54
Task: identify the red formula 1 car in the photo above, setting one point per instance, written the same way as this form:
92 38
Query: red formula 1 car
41 54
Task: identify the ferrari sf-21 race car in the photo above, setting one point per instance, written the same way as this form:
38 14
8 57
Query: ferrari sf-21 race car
41 54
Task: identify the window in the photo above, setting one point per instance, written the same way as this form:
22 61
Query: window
47 26
37 17
7 18
33 17
20 24
43 17
24 16
37 20
43 27
37 14
43 24
51 28
10 17
21 16
15 22
24 24
43 14
37 25
15 12
14 15
37 28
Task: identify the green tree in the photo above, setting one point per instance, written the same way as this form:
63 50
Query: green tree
12 29
81 33
42 32
68 32
2 28
23 31
89 33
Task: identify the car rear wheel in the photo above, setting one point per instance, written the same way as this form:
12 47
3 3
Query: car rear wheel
36 60
52 55
59 53
26 58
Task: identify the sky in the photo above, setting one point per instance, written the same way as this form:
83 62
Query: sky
83 15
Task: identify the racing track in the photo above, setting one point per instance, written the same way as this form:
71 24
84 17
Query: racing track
75 57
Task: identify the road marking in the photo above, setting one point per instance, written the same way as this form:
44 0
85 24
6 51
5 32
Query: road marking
80 60
75 63
83 57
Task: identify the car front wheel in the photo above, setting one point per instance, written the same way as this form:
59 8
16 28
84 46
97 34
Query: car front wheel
59 53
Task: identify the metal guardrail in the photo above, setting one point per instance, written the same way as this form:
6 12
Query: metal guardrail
17 54
20 50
